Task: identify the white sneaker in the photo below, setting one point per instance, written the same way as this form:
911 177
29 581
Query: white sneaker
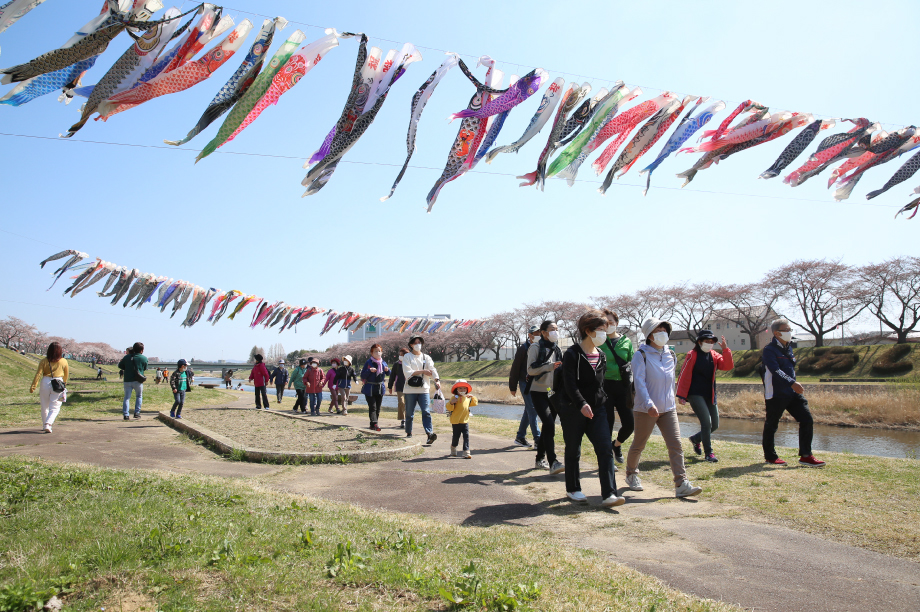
633 482
47 428
541 464
687 489
466 454
613 500
615 470
577 496
453 451
557 468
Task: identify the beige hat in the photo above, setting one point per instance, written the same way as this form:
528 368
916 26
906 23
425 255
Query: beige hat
347 358
649 325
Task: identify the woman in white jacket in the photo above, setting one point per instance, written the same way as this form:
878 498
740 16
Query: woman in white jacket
418 369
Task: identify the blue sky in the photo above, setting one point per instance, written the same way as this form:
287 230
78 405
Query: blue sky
238 221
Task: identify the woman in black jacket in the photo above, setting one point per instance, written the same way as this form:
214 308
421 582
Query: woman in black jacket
582 412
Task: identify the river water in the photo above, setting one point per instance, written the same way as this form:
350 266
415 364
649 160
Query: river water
857 440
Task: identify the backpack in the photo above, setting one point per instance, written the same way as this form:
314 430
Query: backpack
632 384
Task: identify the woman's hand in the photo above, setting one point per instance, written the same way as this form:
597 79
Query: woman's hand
653 411
373 370
681 400
586 410
724 344
556 365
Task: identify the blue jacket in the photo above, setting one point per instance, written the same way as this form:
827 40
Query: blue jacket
779 370
374 381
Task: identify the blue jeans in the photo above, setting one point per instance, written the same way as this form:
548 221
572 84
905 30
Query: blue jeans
315 400
528 417
138 388
179 397
422 401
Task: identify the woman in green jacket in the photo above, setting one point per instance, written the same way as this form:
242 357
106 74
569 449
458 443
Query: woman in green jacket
618 382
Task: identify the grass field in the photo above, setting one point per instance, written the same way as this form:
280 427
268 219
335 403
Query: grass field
19 407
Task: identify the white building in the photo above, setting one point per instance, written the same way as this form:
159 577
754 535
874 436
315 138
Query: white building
737 340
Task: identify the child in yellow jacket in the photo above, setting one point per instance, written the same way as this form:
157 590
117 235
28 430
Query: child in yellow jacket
459 409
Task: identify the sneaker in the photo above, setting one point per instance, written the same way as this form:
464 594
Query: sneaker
576 496
541 464
294 410
376 427
810 461
178 416
453 451
467 454
618 453
557 468
137 416
47 428
687 489
344 413
408 435
431 438
776 461
172 414
613 500
633 482
711 458
127 418
615 470
521 442
697 448
402 424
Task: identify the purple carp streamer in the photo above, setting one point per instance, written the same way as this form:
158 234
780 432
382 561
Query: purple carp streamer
419 100
135 288
525 87
544 112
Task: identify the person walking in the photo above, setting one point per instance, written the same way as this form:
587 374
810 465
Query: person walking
259 377
99 374
783 393
582 410
697 385
280 377
653 367
344 376
135 365
313 385
373 379
297 376
51 380
180 384
228 379
419 370
543 357
330 384
618 349
517 377
397 380
459 409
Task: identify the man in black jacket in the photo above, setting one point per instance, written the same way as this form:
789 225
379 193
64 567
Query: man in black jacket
517 377
397 377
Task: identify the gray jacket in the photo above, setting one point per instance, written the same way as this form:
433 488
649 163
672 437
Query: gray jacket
542 373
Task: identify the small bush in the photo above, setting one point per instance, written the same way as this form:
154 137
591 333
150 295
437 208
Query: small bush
834 358
746 365
893 361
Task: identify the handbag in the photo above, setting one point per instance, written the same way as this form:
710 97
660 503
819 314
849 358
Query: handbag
438 403
417 380
57 384
138 377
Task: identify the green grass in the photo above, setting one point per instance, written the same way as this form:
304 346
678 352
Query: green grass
478 370
19 407
123 539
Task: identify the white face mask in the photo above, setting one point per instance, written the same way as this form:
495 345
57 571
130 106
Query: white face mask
552 335
706 346
461 392
376 355
600 336
660 338
786 336
417 348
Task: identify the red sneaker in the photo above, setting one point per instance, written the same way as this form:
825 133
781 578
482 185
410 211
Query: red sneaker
776 461
810 461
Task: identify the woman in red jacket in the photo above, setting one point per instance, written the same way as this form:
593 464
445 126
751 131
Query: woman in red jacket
697 385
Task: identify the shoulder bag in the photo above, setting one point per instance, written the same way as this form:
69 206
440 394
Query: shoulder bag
138 377
57 384
418 381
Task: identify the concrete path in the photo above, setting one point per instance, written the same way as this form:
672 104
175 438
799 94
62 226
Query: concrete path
697 546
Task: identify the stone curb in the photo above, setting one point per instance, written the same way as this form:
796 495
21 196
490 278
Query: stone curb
225 445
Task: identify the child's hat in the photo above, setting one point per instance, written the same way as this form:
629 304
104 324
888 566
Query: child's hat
461 383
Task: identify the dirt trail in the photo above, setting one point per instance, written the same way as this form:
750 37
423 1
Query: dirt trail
698 546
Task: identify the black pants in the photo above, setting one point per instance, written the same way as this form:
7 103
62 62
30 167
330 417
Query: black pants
797 406
575 426
547 413
619 398
262 394
279 391
461 429
301 400
373 405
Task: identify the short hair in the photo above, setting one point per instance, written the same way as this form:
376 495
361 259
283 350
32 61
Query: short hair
376 346
403 350
55 351
138 347
777 323
414 338
545 325
611 315
591 320
258 358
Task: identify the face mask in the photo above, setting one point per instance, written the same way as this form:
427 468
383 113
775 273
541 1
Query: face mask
461 392
705 347
660 338
417 348
786 336
376 355
600 336
553 336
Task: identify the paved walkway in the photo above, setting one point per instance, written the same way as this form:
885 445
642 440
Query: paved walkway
697 546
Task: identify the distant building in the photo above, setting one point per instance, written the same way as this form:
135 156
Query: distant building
737 340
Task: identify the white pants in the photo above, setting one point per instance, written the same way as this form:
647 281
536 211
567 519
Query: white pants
50 401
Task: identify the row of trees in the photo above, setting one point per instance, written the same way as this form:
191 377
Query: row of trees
18 335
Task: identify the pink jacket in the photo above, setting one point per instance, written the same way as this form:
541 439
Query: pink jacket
259 375
721 361
330 378
313 380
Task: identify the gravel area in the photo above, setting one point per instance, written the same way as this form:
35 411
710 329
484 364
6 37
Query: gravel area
269 431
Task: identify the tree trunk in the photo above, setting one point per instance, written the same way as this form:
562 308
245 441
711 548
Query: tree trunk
902 336
819 340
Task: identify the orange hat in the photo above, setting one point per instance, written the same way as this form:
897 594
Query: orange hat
461 383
